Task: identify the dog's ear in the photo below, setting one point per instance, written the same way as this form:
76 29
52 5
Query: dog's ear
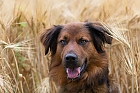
99 34
49 39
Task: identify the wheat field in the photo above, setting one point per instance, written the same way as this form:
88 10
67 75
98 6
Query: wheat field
23 65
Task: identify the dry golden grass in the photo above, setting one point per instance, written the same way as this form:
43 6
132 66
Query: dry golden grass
23 65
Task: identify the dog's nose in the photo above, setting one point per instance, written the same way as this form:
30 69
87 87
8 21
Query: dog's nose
71 59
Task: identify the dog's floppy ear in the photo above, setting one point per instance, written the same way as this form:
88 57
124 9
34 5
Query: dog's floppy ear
49 39
99 34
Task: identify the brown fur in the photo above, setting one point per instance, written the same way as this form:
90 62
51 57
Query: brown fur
86 40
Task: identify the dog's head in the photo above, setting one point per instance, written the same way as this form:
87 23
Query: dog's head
75 45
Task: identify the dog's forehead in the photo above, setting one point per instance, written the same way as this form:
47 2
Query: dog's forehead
74 27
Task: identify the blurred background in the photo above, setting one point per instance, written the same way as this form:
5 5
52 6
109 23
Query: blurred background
23 65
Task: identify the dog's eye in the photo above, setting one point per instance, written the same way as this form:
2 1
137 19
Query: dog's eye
63 42
82 42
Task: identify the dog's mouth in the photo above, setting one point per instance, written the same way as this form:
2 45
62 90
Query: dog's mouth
75 72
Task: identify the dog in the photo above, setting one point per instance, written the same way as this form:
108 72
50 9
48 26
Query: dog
79 63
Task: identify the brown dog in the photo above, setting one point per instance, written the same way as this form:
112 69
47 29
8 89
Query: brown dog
79 63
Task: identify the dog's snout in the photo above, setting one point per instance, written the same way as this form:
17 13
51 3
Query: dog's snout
70 59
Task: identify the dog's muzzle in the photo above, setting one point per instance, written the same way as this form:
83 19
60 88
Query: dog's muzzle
72 66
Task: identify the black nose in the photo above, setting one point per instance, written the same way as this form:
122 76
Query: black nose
70 57
70 60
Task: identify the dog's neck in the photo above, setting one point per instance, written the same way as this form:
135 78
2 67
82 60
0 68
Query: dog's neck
86 89
86 85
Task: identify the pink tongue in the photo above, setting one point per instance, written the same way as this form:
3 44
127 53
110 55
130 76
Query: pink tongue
73 72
